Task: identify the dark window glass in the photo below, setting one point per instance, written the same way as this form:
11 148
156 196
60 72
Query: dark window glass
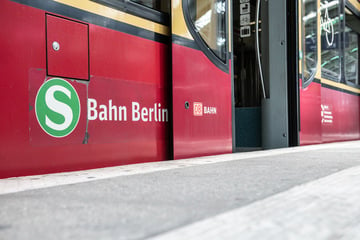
310 44
352 43
160 5
330 22
208 17
247 82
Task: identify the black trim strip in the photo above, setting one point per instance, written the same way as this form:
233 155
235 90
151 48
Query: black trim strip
84 16
324 85
184 42
316 80
339 89
138 10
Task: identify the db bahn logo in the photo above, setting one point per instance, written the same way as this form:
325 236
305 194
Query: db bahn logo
198 109
57 107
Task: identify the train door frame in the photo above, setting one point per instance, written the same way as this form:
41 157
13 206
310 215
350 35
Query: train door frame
278 53
293 73
275 108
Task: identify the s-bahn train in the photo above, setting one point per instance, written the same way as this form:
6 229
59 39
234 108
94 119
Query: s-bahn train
96 83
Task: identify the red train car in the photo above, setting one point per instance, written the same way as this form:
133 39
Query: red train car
84 85
95 83
88 84
329 95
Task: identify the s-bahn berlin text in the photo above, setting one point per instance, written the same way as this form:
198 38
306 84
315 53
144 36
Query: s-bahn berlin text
112 112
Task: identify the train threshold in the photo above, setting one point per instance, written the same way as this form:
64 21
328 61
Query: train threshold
310 192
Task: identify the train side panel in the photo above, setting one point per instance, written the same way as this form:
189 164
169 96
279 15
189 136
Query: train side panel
328 115
310 108
340 116
124 116
204 127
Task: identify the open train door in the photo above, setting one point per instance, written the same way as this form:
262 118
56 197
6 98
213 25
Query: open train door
201 75
265 80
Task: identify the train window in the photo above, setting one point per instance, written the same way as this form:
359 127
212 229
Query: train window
209 19
330 22
351 50
310 40
162 6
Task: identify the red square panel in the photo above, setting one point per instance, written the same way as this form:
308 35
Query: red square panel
67 48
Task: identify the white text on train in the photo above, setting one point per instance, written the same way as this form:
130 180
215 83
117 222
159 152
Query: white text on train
111 112
209 110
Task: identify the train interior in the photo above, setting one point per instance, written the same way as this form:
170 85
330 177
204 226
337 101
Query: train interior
247 81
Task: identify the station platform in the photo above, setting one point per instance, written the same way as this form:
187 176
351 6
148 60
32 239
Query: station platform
310 192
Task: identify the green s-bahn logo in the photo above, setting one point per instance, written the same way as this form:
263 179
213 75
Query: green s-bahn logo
57 107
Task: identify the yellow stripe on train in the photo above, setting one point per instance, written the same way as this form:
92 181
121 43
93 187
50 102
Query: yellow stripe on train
117 15
340 85
355 3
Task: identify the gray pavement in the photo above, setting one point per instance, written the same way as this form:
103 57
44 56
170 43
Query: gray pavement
187 198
